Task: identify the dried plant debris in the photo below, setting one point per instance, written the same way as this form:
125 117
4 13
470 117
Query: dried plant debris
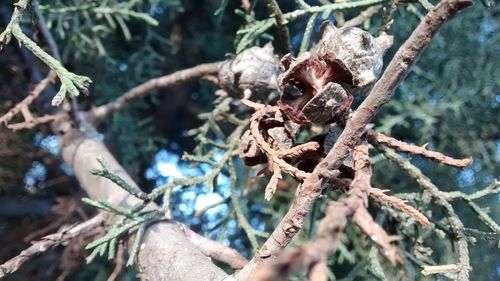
318 87
255 71
277 132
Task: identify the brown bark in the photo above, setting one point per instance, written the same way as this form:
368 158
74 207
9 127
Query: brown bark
139 91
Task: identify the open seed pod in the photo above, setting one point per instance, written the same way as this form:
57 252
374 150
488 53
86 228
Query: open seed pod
255 69
318 86
312 88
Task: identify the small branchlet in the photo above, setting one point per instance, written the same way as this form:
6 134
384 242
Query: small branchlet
71 84
106 173
454 222
138 217
418 150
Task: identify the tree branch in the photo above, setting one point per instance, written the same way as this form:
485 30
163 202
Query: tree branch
166 253
396 71
214 249
49 242
30 98
456 225
142 90
312 256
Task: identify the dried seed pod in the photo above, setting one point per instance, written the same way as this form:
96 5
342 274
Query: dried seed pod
318 86
255 69
312 90
358 50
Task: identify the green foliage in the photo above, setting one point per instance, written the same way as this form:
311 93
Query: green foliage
87 25
71 83
254 29
134 218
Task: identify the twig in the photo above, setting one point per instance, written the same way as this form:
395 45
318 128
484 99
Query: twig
54 50
456 225
30 98
140 91
389 11
363 16
48 242
441 269
380 196
283 32
240 216
118 263
477 234
31 123
314 254
71 83
484 217
418 150
299 150
381 93
492 188
202 211
269 151
304 45
214 249
302 4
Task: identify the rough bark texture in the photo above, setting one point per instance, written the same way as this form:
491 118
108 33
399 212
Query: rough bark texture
166 253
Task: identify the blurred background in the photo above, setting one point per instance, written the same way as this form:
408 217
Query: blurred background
450 102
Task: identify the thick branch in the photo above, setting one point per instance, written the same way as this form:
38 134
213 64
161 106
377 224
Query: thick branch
140 91
214 249
396 71
166 253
